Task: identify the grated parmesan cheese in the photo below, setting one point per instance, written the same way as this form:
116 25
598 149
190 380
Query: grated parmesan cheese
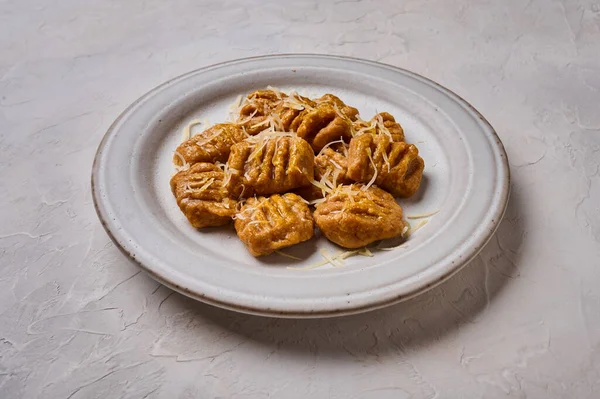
324 179
310 267
255 152
323 187
316 201
184 164
294 101
371 126
228 172
260 140
337 166
336 173
330 144
273 121
276 123
253 222
381 126
386 159
330 259
268 134
276 91
341 114
347 254
419 225
234 108
278 252
210 138
337 259
405 231
265 122
372 181
207 184
365 252
248 118
187 130
423 215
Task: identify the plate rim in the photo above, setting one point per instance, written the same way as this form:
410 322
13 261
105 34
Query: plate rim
501 199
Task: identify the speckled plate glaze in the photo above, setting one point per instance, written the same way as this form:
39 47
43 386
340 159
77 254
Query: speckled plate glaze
466 178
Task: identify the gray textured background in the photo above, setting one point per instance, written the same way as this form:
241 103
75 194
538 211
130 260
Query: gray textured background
78 321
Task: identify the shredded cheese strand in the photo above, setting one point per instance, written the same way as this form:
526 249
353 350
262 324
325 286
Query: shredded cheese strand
278 252
229 172
253 222
184 164
330 144
248 118
234 108
381 126
370 183
310 267
405 231
336 165
268 134
336 174
418 226
207 184
423 215
323 187
208 139
294 101
276 91
365 252
331 260
324 179
337 259
263 138
316 201
187 130
257 151
386 160
371 126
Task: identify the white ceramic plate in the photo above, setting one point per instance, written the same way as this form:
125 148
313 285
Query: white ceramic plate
466 178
